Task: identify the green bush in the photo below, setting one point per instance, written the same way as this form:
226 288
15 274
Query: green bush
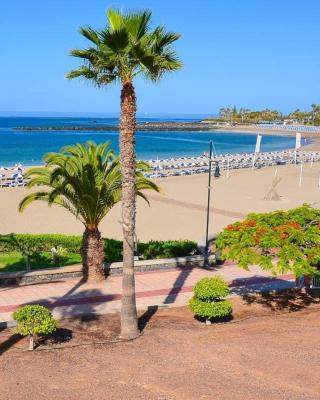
208 300
211 289
34 320
113 248
278 241
166 249
39 243
215 310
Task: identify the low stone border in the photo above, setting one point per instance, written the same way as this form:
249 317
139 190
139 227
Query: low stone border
160 264
75 271
41 275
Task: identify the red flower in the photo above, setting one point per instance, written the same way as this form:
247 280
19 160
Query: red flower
256 239
233 228
294 225
250 224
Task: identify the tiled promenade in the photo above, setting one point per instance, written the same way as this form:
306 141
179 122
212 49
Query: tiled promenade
168 288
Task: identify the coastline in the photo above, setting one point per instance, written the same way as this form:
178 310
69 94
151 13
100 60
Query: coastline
178 126
314 146
314 136
199 127
187 128
268 131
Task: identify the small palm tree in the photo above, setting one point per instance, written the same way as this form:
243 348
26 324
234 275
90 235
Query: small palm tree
126 48
86 180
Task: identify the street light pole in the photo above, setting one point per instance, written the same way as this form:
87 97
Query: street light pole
208 205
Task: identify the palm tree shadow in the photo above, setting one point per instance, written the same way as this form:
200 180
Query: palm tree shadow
81 282
146 317
177 286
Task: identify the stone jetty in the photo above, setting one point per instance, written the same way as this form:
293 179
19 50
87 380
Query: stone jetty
145 126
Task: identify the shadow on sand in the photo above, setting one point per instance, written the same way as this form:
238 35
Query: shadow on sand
10 342
290 299
145 318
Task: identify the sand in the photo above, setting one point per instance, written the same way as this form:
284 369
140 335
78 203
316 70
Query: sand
179 211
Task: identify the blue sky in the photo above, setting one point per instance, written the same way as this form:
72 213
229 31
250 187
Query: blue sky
251 53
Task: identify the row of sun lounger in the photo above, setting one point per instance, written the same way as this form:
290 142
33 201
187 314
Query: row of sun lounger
192 165
165 168
295 128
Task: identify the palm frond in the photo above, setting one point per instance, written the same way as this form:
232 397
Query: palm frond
137 23
126 47
115 19
90 34
85 179
43 196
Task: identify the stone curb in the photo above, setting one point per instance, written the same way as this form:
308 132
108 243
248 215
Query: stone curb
75 271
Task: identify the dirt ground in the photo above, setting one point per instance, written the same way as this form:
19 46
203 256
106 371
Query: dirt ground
269 350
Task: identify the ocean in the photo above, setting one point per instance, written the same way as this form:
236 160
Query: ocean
28 147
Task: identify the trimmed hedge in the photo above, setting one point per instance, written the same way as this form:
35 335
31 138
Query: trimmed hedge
39 243
113 248
166 249
208 301
215 310
211 289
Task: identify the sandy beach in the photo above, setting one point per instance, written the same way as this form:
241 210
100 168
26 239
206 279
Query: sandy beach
179 211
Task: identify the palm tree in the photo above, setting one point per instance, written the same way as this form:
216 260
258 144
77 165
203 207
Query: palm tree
315 112
85 180
124 49
243 113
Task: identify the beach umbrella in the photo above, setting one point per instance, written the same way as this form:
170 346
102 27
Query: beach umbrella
17 176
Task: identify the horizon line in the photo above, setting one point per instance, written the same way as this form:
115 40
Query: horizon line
97 114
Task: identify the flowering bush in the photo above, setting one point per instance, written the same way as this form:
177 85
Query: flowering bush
279 241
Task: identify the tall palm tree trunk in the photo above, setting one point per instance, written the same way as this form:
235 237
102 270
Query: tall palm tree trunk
92 253
129 321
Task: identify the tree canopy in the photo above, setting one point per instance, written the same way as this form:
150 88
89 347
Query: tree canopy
85 179
245 115
125 48
279 241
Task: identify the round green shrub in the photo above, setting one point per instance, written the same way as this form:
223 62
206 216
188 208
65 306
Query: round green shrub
33 320
208 300
211 310
210 289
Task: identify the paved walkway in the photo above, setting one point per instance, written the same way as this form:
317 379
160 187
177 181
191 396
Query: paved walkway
166 288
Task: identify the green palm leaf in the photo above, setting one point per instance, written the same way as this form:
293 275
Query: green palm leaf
126 47
85 180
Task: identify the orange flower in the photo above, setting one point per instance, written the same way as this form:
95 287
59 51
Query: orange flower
256 239
294 225
250 224
233 228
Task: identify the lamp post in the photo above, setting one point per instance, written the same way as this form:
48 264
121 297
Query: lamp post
216 175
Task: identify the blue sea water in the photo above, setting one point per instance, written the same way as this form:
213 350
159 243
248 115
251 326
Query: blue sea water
28 147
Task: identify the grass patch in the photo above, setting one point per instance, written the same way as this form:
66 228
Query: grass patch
14 261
